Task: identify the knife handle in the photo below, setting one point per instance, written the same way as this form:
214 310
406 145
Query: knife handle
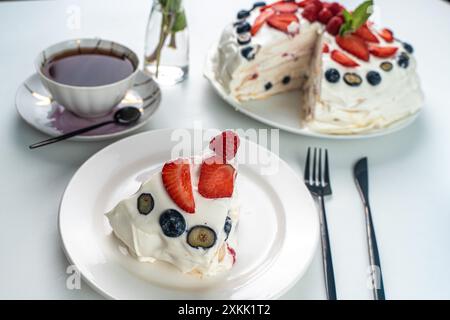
374 257
326 253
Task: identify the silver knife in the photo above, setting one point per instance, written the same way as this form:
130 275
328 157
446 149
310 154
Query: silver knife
362 183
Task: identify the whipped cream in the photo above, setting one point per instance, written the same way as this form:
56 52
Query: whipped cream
143 235
345 109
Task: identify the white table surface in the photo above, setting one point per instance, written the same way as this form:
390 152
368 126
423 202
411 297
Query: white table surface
409 170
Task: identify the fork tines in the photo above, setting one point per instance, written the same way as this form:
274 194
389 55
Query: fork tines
317 182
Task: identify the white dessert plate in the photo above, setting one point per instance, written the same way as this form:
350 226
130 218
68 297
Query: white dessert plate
282 110
35 105
277 233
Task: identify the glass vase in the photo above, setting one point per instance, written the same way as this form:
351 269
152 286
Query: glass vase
166 56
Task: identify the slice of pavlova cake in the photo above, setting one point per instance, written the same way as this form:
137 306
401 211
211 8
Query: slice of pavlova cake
186 213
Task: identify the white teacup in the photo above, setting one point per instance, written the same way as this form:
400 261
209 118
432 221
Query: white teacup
89 101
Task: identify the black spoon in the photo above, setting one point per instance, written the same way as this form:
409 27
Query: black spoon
124 116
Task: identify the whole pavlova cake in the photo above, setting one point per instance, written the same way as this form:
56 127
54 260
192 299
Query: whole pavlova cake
353 76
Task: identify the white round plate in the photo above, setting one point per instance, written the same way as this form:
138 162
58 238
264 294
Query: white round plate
282 111
278 230
35 105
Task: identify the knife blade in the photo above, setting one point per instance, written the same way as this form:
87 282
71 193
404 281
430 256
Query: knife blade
362 179
360 171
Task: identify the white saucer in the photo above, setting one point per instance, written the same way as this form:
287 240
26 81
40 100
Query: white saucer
35 105
282 110
277 235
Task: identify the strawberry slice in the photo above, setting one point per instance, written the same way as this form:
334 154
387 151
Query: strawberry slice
325 48
317 3
232 253
261 19
324 15
335 8
284 7
282 21
334 25
382 52
216 179
311 11
303 3
225 145
365 33
176 176
343 59
354 45
387 35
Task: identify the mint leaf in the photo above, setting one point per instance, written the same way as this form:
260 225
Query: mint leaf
361 14
347 25
347 15
353 21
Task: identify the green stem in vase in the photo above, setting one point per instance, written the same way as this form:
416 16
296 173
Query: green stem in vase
172 43
173 20
162 40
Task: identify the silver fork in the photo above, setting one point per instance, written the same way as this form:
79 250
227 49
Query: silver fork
320 186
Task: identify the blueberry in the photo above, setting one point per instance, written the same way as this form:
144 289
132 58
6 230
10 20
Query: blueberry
409 48
332 75
145 203
244 38
243 28
248 53
386 66
373 78
201 237
403 60
352 79
243 14
268 86
259 4
172 223
227 226
286 80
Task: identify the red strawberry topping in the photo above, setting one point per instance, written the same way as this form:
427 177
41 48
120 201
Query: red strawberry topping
311 12
365 33
261 19
285 7
303 3
354 45
325 15
317 3
387 35
176 176
343 59
225 145
325 48
216 179
382 52
232 252
334 25
282 21
335 8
